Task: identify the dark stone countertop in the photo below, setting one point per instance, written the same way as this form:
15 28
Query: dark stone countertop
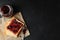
42 17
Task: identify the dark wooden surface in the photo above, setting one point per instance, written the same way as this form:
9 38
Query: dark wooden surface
42 17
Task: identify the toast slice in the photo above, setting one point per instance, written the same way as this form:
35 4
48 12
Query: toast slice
13 27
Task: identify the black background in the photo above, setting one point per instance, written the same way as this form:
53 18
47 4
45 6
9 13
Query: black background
41 17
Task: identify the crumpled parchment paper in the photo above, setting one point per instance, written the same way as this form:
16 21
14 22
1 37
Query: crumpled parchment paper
6 37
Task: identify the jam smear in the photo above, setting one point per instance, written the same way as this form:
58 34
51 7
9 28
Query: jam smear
14 26
24 31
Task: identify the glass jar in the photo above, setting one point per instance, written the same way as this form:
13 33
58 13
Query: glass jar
6 10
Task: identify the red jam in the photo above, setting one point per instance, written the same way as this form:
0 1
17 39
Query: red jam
5 9
24 31
15 26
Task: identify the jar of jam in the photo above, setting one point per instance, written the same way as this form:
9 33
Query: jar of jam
6 10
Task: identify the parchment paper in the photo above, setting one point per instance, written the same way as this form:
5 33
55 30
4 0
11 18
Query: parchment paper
6 37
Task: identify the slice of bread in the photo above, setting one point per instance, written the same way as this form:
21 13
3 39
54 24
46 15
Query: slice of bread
13 27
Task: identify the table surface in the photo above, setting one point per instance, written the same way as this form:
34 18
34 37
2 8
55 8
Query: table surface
42 17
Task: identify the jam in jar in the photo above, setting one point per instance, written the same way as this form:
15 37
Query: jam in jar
6 10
